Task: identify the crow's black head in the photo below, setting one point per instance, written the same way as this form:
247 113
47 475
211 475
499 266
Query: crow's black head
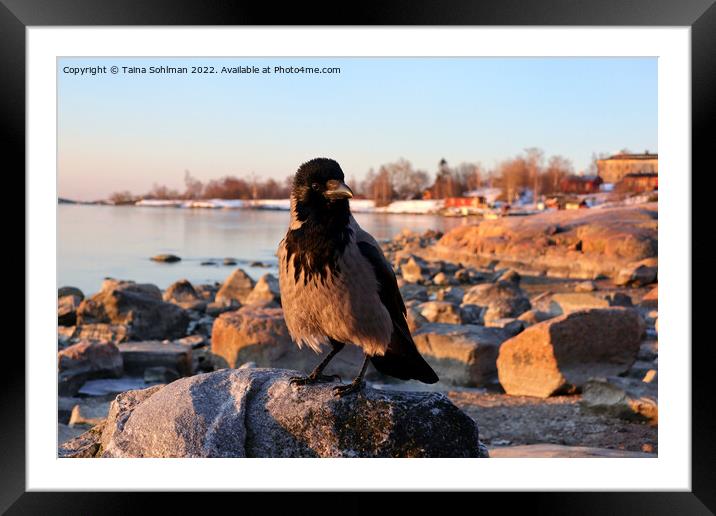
319 190
320 200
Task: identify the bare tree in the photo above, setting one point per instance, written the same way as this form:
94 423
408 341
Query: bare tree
534 158
557 169
194 187
124 197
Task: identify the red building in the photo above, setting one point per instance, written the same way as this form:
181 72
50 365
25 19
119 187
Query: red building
580 184
638 183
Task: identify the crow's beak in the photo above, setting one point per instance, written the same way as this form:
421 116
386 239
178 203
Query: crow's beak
337 190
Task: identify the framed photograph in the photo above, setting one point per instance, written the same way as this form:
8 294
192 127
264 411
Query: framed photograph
429 237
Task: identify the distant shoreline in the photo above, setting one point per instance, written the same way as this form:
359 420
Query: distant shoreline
415 207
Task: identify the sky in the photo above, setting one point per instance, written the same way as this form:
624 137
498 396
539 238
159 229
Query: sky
127 131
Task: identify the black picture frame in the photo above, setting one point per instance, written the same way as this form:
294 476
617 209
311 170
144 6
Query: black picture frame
700 15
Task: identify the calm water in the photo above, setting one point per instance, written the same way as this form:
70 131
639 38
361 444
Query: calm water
95 242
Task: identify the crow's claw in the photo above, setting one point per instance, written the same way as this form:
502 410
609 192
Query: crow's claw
342 390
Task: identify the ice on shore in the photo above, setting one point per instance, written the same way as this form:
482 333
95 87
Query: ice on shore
357 205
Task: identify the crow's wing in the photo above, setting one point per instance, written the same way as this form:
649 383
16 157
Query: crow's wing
402 359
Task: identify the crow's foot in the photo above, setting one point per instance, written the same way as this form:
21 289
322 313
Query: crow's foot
343 390
314 378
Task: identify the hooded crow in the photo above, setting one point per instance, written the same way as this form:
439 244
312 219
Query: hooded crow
336 285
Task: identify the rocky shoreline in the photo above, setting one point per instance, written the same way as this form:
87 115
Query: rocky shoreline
528 358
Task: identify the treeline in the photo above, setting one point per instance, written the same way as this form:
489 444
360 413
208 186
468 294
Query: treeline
229 187
529 170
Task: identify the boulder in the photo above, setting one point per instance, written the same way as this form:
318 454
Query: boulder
585 286
415 318
411 291
580 244
471 276
451 294
443 279
78 417
70 291
511 325
257 413
96 357
260 335
138 306
193 341
624 398
413 271
84 360
471 314
510 275
215 309
183 294
140 356
561 354
84 446
531 317
236 288
569 302
637 276
166 258
651 298
441 312
67 310
462 355
99 332
619 299
501 299
265 293
207 291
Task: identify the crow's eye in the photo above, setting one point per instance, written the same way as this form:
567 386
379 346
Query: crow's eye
316 186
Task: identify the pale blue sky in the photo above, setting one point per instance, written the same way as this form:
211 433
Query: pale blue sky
128 131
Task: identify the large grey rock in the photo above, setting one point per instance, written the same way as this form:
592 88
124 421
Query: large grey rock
260 335
561 354
501 299
235 289
139 306
462 355
625 398
257 413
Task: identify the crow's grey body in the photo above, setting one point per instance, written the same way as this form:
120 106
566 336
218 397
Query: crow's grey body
344 306
336 285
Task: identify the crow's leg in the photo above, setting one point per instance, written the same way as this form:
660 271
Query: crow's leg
355 385
316 375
